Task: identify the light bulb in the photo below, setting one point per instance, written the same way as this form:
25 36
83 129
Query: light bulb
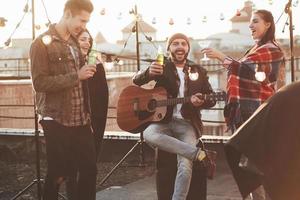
193 76
260 76
47 39
108 65
222 17
102 12
121 62
154 20
188 21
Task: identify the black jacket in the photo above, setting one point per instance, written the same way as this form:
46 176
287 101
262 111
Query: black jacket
98 91
271 141
168 81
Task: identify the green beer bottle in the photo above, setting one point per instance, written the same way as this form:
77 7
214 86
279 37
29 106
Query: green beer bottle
92 57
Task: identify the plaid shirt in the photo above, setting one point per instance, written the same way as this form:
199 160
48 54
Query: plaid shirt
243 89
79 116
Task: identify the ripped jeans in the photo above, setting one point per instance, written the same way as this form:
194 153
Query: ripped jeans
179 137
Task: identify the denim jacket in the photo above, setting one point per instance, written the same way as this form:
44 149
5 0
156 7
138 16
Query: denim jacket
52 75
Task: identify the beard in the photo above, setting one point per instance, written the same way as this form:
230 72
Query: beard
178 60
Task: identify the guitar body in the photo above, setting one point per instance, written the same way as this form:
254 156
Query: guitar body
137 108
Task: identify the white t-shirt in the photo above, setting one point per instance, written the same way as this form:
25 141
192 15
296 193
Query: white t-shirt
177 108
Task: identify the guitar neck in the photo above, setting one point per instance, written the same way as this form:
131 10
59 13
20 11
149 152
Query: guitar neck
173 101
217 96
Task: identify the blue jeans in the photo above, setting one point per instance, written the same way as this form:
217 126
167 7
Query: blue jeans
179 137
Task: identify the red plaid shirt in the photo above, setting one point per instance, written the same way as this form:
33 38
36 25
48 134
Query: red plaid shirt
242 86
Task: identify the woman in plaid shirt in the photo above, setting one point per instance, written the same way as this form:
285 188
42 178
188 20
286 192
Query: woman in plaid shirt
253 78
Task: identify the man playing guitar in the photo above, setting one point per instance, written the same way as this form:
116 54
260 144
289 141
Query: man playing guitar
181 127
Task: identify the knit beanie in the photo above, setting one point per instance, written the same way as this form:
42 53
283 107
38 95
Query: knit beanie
177 36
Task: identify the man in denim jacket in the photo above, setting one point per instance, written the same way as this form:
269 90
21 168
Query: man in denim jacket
62 99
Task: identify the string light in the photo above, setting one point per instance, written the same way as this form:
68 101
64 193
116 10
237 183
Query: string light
154 20
37 27
108 64
171 21
102 12
193 76
48 24
260 75
188 21
271 2
2 21
47 39
26 8
120 16
204 19
238 13
7 42
222 17
254 7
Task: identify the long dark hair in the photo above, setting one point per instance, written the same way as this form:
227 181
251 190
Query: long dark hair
270 34
83 59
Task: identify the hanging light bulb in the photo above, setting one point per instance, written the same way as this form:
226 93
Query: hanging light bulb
171 21
8 41
2 21
260 75
271 2
48 24
204 19
222 17
47 39
37 27
295 4
193 75
108 64
254 7
238 13
119 16
121 62
26 8
188 21
102 12
154 20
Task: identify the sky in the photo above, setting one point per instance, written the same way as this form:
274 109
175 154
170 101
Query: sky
117 16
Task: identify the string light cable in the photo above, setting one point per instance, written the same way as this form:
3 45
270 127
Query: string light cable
25 10
46 13
148 37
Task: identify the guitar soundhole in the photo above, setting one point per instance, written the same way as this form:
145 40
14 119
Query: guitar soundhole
152 104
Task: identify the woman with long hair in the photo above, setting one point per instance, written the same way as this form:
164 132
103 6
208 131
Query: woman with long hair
98 94
251 81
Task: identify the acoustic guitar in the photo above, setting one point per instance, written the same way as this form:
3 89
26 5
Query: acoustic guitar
138 107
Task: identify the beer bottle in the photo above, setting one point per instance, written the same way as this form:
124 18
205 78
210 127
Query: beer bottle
160 56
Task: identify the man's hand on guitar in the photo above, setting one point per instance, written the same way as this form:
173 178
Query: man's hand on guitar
195 100
155 69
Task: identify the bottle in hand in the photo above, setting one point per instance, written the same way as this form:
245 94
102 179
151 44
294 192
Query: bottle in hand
92 59
160 56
